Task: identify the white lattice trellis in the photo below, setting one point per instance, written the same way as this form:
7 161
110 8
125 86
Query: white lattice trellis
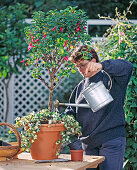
28 94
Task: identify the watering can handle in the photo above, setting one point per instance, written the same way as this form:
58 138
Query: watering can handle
109 78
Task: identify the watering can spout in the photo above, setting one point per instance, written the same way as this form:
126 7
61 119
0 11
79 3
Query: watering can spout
57 104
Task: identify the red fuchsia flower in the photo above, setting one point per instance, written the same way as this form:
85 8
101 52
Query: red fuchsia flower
33 40
38 59
70 44
66 58
78 29
61 29
26 64
65 44
37 40
84 27
53 29
78 22
22 61
44 35
73 46
79 35
29 47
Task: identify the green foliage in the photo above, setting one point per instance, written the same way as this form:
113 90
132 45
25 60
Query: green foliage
12 42
33 121
121 42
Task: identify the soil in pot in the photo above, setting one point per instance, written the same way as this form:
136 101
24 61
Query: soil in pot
44 147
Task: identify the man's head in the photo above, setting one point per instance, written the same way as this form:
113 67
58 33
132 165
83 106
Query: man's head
84 52
82 56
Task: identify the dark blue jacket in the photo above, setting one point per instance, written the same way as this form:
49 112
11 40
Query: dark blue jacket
109 122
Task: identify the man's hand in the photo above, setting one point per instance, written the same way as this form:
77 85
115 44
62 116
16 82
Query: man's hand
92 68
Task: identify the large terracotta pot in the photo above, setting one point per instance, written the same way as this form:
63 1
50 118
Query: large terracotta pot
44 147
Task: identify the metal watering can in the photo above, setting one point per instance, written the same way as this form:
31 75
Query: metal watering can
96 95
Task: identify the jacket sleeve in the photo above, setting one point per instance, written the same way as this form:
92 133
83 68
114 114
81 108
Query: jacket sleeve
119 69
72 110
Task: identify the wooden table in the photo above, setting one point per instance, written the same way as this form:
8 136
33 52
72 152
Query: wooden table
25 162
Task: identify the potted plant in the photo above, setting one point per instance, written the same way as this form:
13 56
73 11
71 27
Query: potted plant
51 38
45 131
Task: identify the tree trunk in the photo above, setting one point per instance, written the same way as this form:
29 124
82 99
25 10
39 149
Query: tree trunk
51 93
7 103
6 86
51 89
50 100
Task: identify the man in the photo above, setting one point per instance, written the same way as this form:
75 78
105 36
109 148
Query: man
103 132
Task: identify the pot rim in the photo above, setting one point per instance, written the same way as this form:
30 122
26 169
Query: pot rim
77 150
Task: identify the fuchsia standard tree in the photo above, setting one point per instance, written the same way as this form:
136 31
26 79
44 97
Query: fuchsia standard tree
51 38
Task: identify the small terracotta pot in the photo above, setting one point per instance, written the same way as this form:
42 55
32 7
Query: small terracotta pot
76 155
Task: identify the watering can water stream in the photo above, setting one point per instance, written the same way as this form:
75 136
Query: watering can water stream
96 95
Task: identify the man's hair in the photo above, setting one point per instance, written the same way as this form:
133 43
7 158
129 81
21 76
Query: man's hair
78 53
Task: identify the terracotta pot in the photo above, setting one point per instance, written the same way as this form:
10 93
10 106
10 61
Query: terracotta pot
44 147
76 155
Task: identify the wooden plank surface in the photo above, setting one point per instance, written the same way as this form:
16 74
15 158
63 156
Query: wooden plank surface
25 162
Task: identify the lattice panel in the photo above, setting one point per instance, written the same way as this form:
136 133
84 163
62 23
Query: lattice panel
31 94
